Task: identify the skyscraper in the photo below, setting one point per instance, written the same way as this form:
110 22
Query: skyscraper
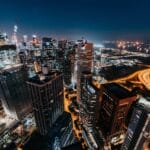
90 101
13 91
84 62
138 133
46 90
89 106
115 103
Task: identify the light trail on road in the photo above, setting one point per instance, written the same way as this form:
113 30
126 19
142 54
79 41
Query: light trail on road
139 77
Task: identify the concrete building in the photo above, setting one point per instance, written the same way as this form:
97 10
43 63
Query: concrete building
84 58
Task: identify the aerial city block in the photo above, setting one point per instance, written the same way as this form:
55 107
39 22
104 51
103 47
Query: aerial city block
73 93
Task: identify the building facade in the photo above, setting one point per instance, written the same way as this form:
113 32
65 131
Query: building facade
47 98
84 62
138 133
89 107
14 93
115 104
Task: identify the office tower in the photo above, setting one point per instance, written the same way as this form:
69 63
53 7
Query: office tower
49 51
115 104
14 36
68 66
13 91
47 43
8 56
89 106
35 48
90 101
84 62
46 90
138 133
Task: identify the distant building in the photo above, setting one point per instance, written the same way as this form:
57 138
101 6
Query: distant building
47 96
62 44
3 39
13 91
115 104
8 56
138 133
48 52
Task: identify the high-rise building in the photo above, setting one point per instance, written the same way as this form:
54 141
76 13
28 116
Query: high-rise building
60 135
49 51
138 133
115 104
84 58
90 101
89 106
8 56
46 90
13 91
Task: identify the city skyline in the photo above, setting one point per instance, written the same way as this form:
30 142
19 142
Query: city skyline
92 19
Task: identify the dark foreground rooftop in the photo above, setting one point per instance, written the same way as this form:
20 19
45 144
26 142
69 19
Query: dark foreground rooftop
118 91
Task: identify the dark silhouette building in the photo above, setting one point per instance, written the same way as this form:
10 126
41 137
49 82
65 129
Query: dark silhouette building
47 95
13 91
60 135
115 103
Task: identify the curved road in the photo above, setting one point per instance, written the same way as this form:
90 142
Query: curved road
139 77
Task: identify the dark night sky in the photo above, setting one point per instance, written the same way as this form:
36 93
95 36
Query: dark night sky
94 19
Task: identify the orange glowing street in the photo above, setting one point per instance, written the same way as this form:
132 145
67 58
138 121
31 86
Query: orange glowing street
138 78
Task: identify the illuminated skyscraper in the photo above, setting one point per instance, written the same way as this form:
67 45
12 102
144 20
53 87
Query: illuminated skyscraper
49 51
46 90
90 101
8 56
84 62
138 133
14 36
89 111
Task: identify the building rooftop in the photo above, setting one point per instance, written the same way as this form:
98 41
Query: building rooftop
41 79
118 91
